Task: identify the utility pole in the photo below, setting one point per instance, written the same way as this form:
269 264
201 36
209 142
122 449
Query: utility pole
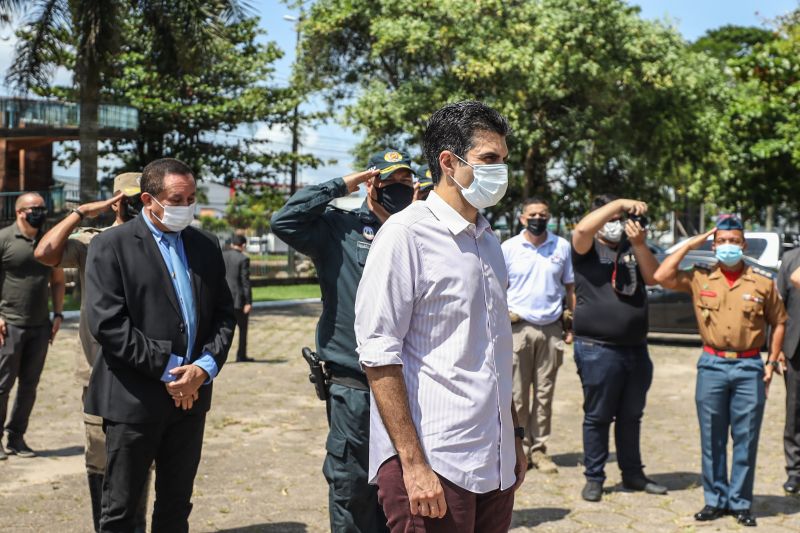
295 135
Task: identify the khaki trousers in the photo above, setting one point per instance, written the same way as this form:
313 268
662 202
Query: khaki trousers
95 442
537 356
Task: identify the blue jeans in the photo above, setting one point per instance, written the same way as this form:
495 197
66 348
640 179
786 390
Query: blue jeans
730 396
615 382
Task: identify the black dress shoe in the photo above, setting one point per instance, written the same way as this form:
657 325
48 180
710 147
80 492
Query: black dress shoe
792 485
744 518
244 359
643 484
709 513
592 491
16 446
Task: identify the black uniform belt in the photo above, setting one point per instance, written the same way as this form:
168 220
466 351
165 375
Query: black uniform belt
350 381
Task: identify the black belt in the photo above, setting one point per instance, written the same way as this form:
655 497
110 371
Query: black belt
351 382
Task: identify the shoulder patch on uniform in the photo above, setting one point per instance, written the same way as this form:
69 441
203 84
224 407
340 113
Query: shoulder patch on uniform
764 272
702 267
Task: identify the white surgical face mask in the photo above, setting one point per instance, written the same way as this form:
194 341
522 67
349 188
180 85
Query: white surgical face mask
176 217
488 185
612 231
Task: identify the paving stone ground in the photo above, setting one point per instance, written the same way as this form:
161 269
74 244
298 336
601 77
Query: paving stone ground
263 452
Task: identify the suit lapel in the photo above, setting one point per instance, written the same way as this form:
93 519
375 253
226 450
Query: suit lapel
153 255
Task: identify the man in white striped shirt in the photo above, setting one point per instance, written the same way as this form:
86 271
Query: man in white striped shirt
435 341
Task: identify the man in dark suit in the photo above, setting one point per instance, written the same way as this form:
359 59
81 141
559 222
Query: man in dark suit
788 282
237 273
159 307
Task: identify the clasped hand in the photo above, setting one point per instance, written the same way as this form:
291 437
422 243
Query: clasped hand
185 390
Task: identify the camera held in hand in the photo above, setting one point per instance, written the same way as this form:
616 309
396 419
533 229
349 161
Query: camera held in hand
641 219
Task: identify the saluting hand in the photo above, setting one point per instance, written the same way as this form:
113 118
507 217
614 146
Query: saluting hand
415 197
357 178
698 240
93 209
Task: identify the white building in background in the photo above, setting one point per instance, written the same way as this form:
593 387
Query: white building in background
217 196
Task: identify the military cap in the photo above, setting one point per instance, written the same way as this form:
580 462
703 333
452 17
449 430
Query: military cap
425 178
128 183
390 161
729 222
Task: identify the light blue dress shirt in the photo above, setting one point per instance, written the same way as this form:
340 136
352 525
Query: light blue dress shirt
188 309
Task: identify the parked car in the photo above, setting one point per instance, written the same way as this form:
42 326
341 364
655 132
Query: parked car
672 311
765 247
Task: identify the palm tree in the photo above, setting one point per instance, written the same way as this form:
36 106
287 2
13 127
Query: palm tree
180 30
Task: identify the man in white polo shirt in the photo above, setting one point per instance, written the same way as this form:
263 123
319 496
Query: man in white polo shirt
539 276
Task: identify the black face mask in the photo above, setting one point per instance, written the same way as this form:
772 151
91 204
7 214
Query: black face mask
395 197
537 226
130 207
36 217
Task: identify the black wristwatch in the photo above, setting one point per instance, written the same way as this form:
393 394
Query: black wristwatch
519 433
58 315
77 212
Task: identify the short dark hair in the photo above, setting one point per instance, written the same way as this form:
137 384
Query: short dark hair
534 200
239 240
602 199
453 128
154 173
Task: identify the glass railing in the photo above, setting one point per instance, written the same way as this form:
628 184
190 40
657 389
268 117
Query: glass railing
25 113
54 200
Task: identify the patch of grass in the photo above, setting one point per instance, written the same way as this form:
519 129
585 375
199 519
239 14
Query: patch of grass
285 292
260 294
70 302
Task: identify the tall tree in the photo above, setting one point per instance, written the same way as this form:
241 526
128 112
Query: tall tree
599 98
180 31
761 123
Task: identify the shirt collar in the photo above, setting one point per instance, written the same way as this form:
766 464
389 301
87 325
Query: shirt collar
551 238
18 233
157 233
444 212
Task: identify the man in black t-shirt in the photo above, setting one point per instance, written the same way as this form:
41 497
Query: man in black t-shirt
612 266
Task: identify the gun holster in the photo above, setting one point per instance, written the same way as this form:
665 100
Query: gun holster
319 376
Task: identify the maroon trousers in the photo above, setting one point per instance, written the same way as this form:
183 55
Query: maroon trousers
467 512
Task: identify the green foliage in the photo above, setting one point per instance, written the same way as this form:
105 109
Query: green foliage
599 99
760 127
86 33
193 98
252 209
729 42
214 224
195 116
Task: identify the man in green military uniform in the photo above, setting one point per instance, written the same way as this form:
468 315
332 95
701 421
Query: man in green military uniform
338 242
65 247
734 303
